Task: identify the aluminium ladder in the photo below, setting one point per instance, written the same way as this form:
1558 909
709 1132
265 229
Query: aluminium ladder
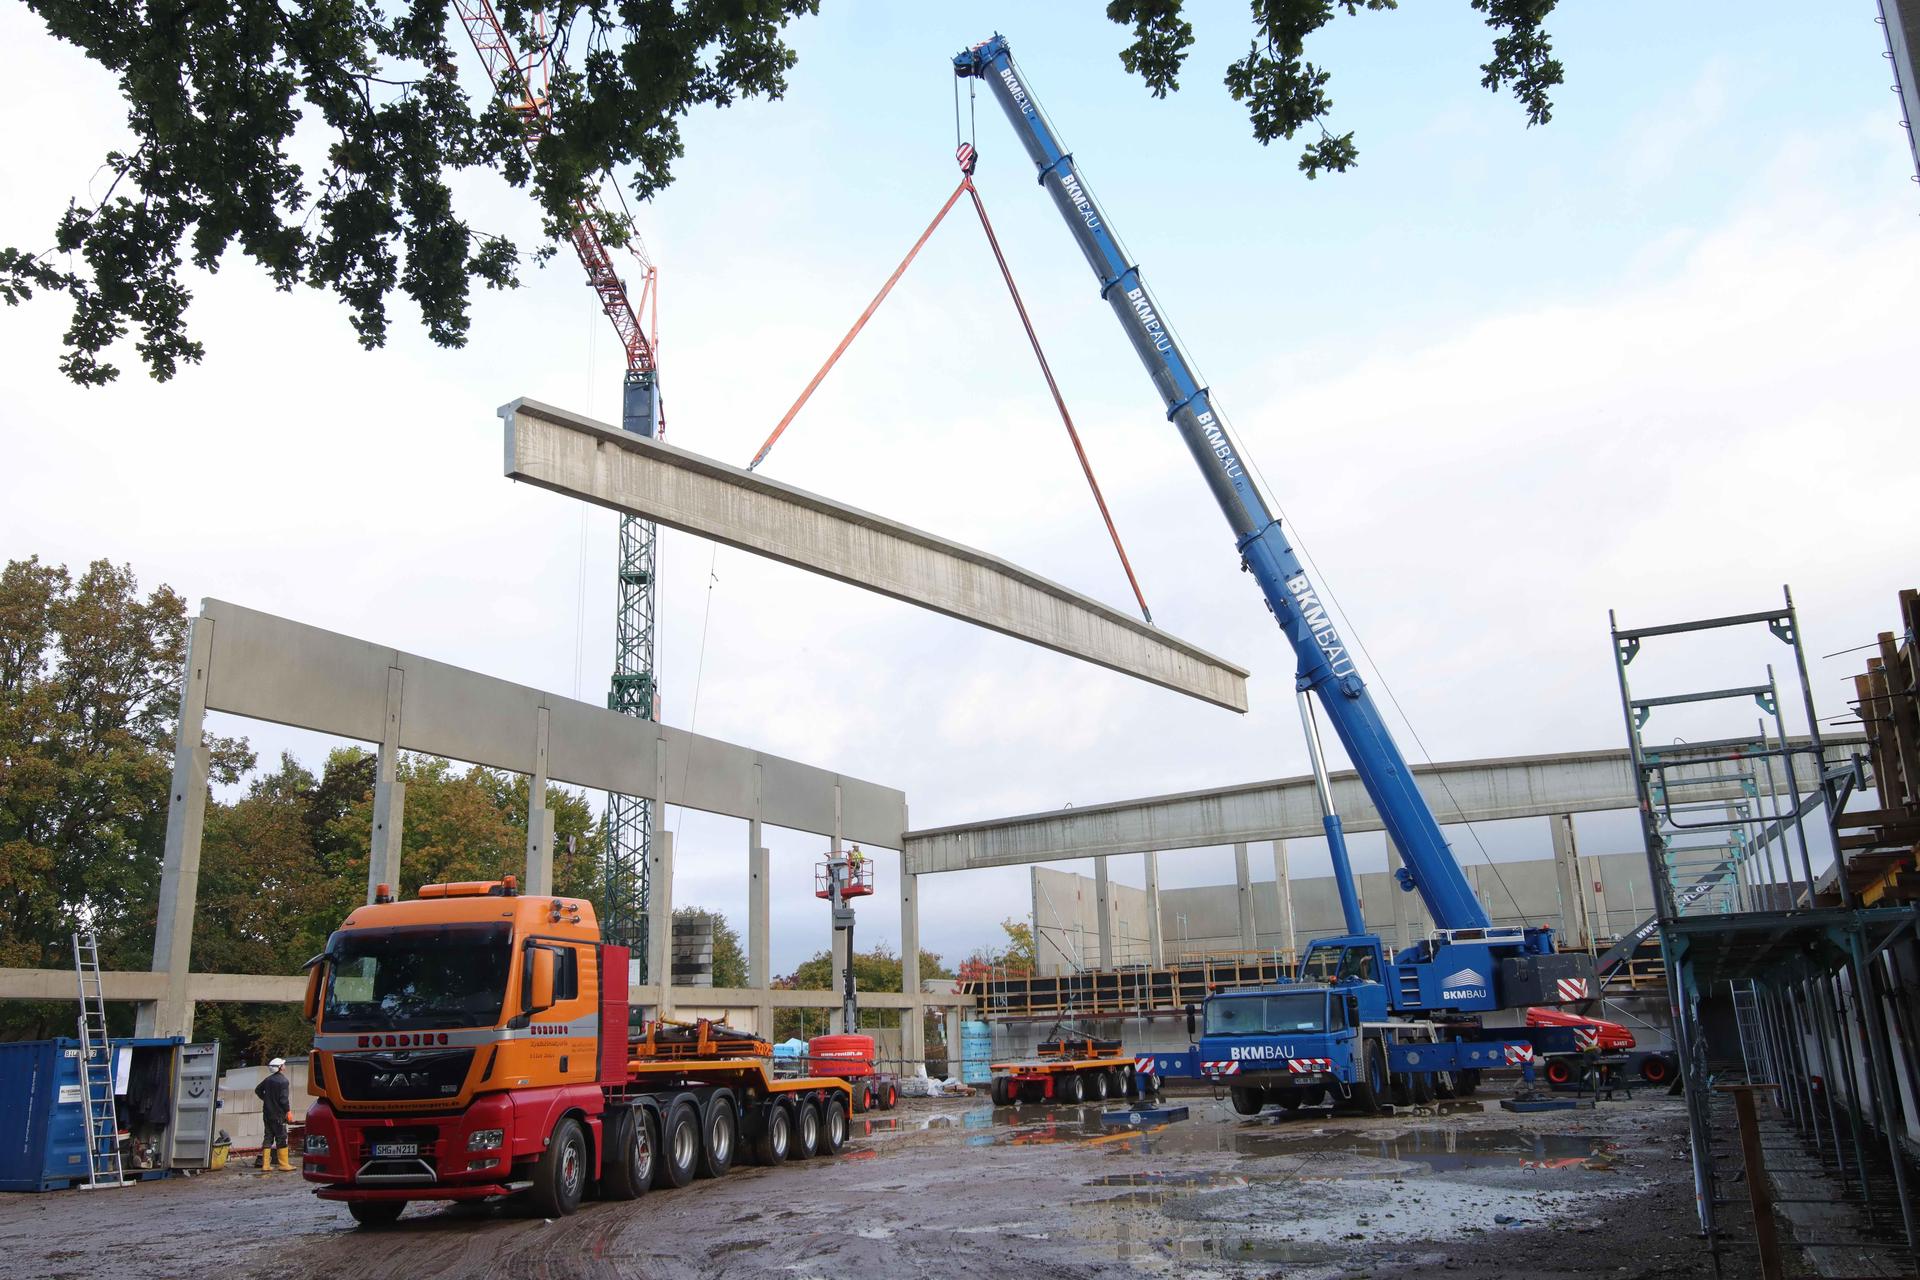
96 1069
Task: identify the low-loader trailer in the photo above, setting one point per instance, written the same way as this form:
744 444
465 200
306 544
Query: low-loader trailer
474 1043
1072 1069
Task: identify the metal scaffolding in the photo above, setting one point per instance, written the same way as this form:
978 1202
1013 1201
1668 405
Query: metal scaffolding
1778 977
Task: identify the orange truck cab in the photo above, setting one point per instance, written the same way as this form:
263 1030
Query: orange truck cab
474 1043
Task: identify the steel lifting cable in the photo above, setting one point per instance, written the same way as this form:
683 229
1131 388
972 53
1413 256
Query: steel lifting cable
1059 402
859 324
966 156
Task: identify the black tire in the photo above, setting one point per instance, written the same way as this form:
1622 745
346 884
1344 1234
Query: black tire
889 1096
719 1135
833 1126
1401 1089
1370 1091
1561 1072
1072 1088
1467 1083
560 1176
806 1130
631 1151
1117 1083
1444 1085
376 1215
1002 1091
1100 1085
678 1153
1285 1097
1422 1088
1313 1095
1656 1069
1248 1102
776 1136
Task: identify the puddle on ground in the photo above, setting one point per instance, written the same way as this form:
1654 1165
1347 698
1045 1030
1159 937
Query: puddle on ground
1132 1240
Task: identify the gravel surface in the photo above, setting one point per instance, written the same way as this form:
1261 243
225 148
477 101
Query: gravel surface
957 1189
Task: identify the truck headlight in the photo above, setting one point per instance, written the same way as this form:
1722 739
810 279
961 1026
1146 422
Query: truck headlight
486 1139
317 1145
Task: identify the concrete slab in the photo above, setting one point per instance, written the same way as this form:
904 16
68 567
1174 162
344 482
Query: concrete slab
630 473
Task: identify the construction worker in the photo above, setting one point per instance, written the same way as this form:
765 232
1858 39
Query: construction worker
276 1109
854 859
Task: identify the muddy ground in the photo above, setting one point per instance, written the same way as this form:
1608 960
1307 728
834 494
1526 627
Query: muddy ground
956 1189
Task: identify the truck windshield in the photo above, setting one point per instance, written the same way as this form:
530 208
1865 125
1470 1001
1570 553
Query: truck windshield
419 978
1267 1015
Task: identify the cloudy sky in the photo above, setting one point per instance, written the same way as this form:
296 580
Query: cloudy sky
1655 357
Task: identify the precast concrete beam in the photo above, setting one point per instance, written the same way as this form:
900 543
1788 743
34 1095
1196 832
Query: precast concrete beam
271 668
640 476
1463 791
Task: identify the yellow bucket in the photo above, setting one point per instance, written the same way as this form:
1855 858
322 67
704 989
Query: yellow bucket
219 1160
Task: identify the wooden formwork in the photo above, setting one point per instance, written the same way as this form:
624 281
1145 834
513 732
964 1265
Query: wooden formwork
1881 842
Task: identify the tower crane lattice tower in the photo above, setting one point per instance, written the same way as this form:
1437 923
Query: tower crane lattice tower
520 72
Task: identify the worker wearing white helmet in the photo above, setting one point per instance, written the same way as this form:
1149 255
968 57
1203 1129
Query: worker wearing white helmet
276 1108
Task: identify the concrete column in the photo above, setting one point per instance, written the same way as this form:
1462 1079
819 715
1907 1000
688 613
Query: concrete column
1283 889
951 1021
1103 911
660 891
913 1025
759 908
389 797
180 864
1243 887
1566 866
1156 945
539 878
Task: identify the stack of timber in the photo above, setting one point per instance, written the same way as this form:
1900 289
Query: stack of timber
1881 842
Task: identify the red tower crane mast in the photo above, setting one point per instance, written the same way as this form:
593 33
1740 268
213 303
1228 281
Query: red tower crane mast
521 73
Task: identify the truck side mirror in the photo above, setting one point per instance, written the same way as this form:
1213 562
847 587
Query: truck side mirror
540 992
1190 1023
1353 1012
310 1009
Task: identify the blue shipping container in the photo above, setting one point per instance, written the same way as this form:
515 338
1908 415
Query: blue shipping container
43 1131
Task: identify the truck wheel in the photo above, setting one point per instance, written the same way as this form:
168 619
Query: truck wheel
627 1165
776 1136
1401 1089
1558 1072
720 1132
1002 1091
1072 1089
806 1129
376 1215
1286 1097
1443 1084
679 1145
560 1178
863 1100
889 1096
1422 1088
1655 1069
1248 1102
833 1127
1313 1095
1099 1081
1467 1083
1370 1090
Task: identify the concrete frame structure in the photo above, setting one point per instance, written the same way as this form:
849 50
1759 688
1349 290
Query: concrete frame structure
643 477
262 667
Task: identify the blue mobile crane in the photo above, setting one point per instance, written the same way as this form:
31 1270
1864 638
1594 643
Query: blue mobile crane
1357 1023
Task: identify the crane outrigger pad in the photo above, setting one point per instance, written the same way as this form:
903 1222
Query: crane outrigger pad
642 477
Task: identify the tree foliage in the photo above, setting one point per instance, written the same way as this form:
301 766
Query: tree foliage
89 693
319 140
1285 93
879 969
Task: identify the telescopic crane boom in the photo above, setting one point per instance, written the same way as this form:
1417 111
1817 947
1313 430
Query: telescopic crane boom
1326 668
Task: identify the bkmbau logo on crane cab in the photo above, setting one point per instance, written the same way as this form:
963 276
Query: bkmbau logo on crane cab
1462 984
1321 625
